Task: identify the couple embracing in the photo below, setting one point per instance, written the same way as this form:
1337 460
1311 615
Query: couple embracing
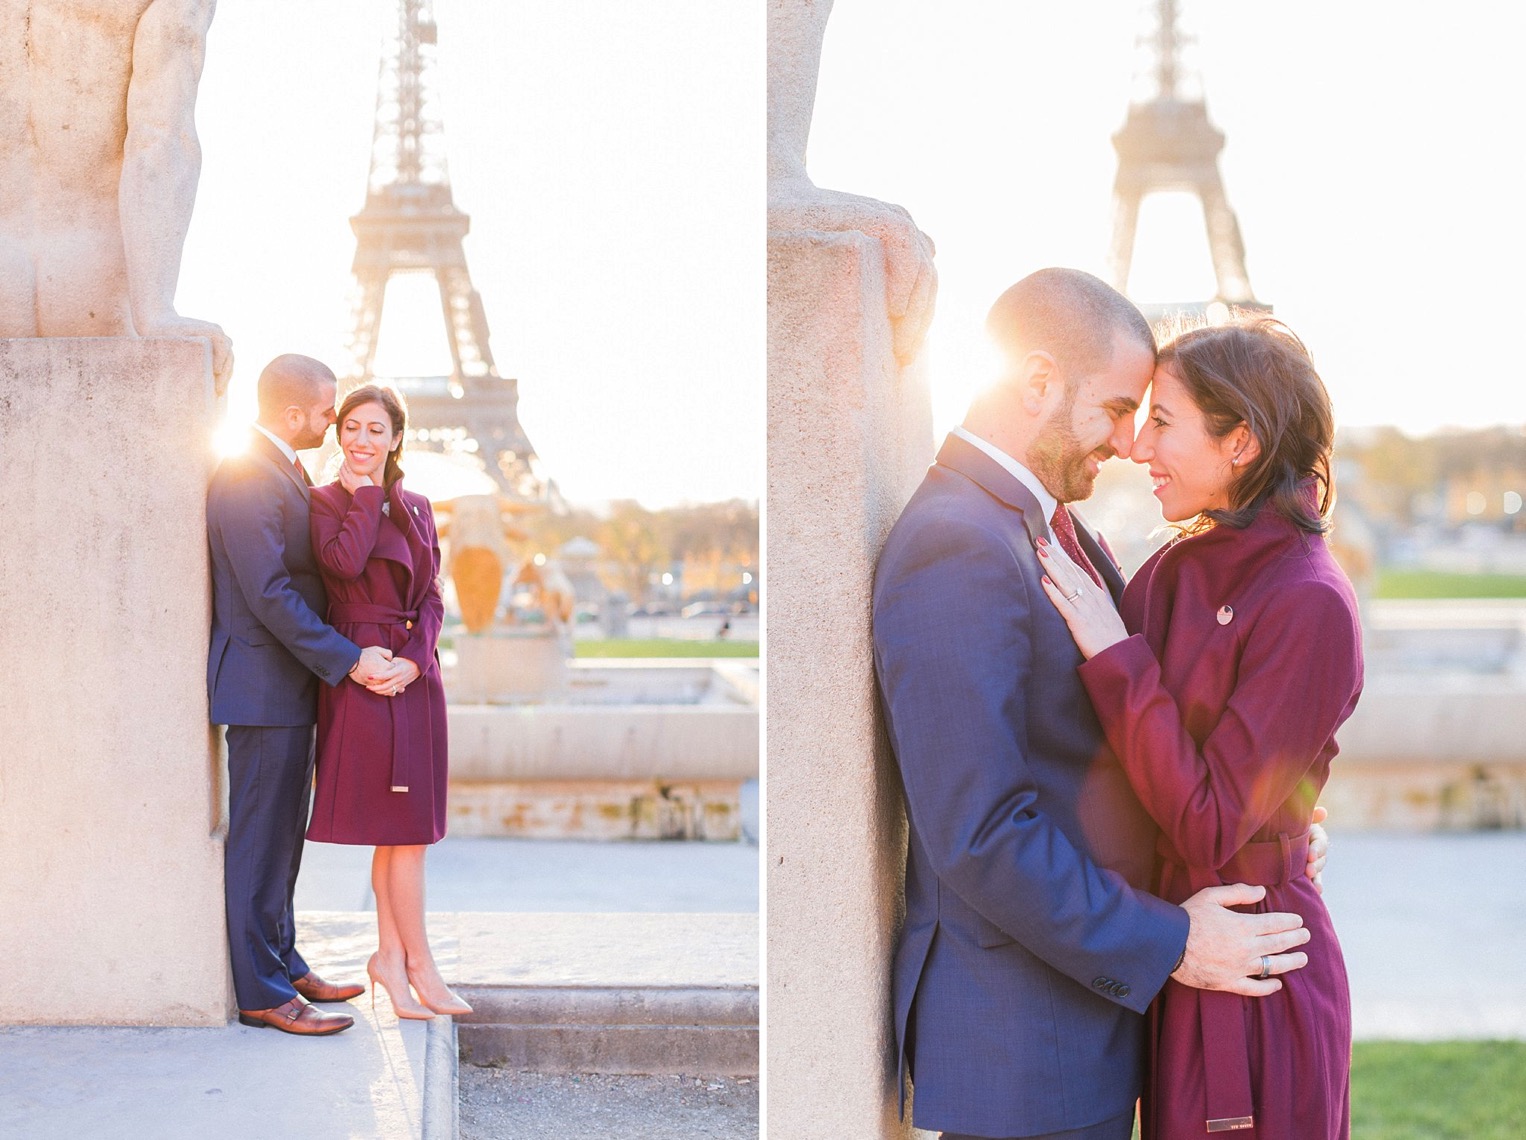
326 608
1111 786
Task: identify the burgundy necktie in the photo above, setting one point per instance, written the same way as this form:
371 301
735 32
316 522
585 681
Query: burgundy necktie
1065 531
301 471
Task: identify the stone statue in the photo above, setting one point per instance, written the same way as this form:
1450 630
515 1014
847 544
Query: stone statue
98 167
477 530
795 31
554 595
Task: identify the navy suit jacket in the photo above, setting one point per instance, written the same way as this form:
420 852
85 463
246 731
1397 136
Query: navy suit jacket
270 643
1030 946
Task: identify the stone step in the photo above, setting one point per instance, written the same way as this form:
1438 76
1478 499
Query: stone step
585 993
568 1029
682 1030
613 1005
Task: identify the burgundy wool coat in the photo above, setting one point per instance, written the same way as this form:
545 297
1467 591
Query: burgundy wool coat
381 768
1244 658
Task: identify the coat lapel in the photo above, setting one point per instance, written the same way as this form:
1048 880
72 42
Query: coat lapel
1101 557
962 456
974 464
269 452
415 549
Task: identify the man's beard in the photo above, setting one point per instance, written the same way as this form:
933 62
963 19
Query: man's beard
313 436
1057 458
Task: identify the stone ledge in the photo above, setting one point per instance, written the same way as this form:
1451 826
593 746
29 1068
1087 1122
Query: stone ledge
609 810
608 742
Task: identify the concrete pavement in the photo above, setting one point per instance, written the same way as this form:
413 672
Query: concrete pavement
236 1082
1433 928
482 874
369 1081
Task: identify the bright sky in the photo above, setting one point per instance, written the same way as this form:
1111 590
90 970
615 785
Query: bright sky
610 154
1373 158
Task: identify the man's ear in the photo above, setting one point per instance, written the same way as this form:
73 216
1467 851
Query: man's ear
295 417
1039 379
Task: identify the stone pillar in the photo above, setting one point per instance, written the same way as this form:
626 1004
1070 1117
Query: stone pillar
849 436
111 824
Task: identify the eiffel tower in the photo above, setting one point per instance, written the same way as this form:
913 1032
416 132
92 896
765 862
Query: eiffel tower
1167 143
410 223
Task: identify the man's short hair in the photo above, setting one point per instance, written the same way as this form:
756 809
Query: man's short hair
292 380
1069 314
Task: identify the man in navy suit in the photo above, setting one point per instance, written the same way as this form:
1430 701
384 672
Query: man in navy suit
270 648
1030 945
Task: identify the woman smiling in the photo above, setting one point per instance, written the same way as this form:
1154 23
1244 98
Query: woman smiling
382 748
1220 682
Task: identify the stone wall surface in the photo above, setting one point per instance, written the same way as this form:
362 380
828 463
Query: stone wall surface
849 435
110 798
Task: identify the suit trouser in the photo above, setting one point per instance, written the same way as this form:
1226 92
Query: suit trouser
1119 1128
270 776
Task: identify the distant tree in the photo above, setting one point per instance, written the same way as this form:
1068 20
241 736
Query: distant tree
1396 472
549 532
633 542
1402 478
728 530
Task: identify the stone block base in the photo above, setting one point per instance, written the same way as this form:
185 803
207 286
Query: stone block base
111 904
597 809
849 435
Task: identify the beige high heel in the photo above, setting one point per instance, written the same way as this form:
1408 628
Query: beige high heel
454 1005
409 1010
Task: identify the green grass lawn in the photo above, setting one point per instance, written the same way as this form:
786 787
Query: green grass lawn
1394 583
658 647
1444 1090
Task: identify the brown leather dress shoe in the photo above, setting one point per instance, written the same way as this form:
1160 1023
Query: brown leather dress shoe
296 1016
314 988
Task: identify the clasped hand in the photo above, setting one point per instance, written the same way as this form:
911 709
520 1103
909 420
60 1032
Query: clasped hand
383 674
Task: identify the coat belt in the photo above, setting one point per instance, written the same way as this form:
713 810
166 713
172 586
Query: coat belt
1226 1057
1266 863
366 613
370 614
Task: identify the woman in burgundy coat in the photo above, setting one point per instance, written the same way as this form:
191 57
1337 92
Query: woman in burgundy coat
381 748
1220 685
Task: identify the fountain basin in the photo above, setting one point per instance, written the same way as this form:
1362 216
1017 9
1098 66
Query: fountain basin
635 749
